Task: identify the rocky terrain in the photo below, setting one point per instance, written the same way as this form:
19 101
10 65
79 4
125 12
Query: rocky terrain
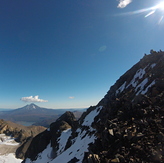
40 142
12 132
19 132
7 144
127 125
8 147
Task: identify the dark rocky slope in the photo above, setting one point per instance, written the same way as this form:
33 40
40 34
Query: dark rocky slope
127 125
39 143
131 128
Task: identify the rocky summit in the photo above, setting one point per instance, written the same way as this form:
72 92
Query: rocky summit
127 125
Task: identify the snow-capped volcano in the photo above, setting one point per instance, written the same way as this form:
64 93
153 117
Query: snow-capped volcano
125 126
30 107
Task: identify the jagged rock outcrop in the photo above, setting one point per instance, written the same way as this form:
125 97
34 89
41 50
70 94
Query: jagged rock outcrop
40 142
127 125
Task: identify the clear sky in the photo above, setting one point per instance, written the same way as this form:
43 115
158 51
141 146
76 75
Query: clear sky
67 53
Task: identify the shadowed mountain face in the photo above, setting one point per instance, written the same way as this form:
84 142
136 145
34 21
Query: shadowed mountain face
127 125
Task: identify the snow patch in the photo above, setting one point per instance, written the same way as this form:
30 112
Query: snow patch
7 140
141 86
121 88
9 158
153 65
89 119
139 74
44 156
77 149
150 85
33 107
62 140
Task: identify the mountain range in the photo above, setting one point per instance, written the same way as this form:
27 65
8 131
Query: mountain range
127 125
35 115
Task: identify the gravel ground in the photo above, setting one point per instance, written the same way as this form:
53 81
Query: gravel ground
6 149
7 144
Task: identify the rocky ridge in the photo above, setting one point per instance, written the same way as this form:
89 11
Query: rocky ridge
127 125
40 142
19 133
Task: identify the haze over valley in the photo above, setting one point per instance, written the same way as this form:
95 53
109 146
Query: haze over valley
32 114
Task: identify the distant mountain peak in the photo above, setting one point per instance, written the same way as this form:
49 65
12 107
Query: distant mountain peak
31 106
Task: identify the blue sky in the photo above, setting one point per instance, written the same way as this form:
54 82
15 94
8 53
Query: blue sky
67 53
